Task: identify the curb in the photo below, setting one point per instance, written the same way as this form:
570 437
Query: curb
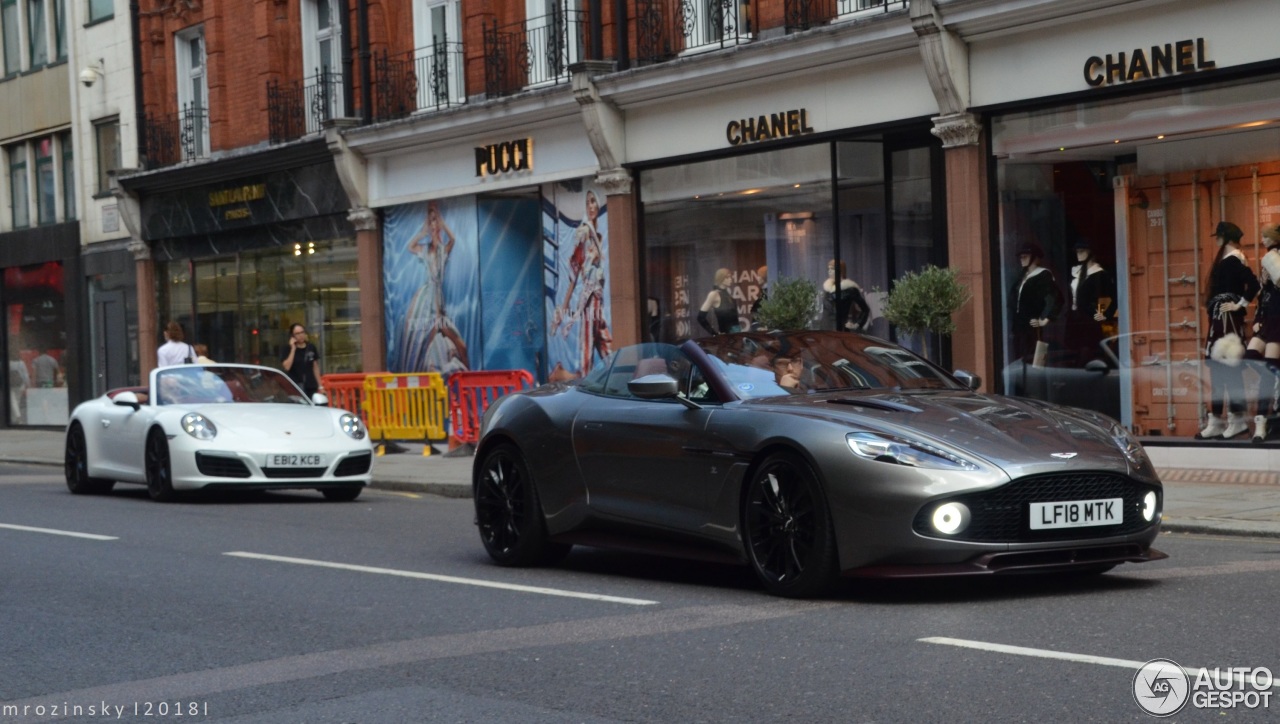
1219 527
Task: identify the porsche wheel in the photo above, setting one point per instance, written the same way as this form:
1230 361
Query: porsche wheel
787 528
76 465
344 494
508 512
158 468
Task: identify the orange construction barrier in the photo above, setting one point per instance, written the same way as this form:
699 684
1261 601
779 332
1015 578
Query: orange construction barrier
471 393
346 392
405 407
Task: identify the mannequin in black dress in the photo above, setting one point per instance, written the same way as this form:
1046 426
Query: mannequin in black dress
845 300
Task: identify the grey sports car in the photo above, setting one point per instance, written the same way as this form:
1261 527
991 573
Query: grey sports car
808 455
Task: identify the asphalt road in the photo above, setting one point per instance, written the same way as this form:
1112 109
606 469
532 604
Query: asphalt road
287 608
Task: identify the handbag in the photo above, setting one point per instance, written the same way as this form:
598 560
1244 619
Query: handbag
1229 348
191 356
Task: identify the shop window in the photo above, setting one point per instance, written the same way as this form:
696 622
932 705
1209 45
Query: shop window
36 340
12 37
100 10
1118 202
19 190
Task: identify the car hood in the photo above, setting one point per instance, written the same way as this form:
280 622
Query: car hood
270 420
1020 436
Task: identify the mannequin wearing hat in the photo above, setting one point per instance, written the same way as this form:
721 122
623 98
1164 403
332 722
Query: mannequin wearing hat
1034 301
1232 285
1093 303
1263 353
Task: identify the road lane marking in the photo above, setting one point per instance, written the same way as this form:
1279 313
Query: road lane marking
443 579
1192 671
52 531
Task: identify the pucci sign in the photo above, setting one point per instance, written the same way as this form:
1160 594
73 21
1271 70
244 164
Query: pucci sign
1183 56
504 157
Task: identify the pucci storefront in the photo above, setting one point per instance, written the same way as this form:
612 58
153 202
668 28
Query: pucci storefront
1145 133
495 247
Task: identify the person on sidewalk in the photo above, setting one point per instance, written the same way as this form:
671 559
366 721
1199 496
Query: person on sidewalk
175 350
1232 286
302 364
1263 353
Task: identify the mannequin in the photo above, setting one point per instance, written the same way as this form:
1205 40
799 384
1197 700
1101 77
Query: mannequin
1035 301
720 302
1263 353
1232 285
1090 284
851 308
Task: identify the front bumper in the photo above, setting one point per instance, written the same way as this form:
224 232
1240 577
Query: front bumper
223 469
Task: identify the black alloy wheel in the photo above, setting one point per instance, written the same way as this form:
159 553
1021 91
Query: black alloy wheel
343 494
159 470
76 466
508 512
787 528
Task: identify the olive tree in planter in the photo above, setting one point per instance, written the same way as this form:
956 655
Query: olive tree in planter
792 303
923 301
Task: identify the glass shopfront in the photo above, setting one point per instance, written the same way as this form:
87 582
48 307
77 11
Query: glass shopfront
241 305
37 342
716 231
1132 191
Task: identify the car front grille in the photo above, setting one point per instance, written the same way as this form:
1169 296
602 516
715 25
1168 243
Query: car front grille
1002 515
294 472
216 466
358 464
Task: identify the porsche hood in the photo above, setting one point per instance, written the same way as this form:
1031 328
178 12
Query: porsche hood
267 421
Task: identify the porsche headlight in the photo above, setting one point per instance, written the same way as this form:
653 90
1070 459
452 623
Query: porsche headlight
351 425
199 426
900 451
1128 444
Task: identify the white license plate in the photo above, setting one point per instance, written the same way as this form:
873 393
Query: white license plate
295 461
1077 513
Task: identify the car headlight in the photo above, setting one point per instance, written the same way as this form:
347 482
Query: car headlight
199 426
900 451
1128 444
1149 506
351 425
950 518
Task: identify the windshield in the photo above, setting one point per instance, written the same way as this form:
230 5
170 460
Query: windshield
201 384
764 364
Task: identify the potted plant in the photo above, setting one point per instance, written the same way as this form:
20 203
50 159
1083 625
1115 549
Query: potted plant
792 304
924 301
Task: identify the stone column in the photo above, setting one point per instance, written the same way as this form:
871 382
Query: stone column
373 346
624 258
148 334
973 344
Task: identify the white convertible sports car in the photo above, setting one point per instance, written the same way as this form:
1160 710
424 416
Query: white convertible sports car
206 427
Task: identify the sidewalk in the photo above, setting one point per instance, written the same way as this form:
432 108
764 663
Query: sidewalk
1231 500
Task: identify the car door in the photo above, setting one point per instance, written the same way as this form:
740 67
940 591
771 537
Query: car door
655 462
120 432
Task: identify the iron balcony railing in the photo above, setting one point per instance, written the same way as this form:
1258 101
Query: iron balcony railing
535 52
667 28
176 137
429 79
805 14
298 108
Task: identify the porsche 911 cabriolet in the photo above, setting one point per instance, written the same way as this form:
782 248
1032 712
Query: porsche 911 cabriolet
808 455
207 427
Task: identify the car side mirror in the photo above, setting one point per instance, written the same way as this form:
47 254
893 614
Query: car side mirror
319 399
1096 365
654 387
127 399
968 379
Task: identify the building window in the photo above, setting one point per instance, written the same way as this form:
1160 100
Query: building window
108 136
12 37
193 92
37 34
68 176
60 29
100 10
19 195
321 61
46 184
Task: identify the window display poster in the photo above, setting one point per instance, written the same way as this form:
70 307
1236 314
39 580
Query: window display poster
514 321
430 284
575 266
